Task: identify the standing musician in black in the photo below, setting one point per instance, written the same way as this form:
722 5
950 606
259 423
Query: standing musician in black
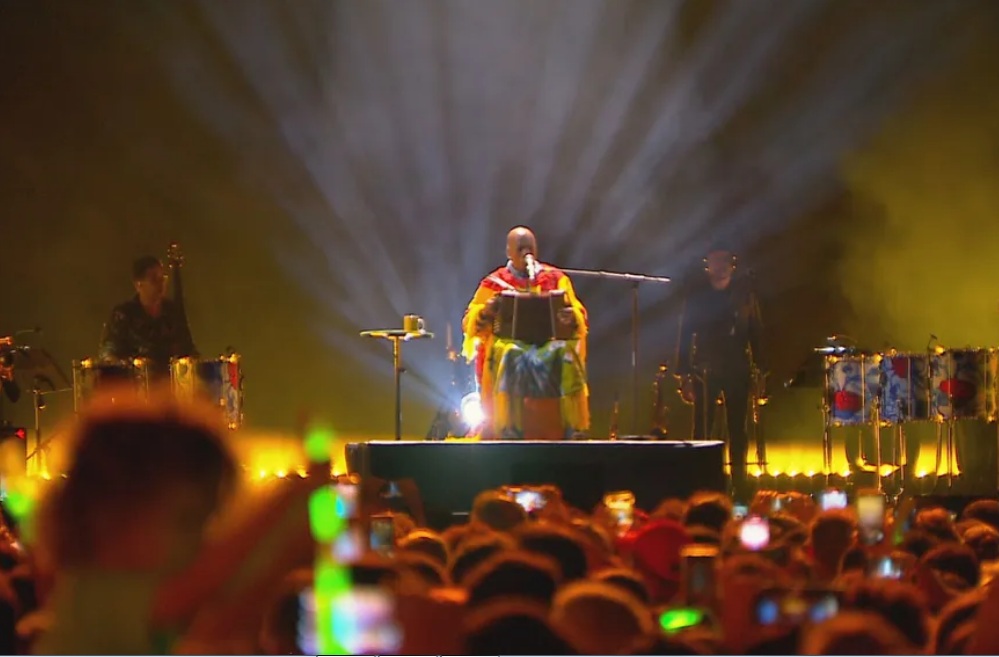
717 350
149 325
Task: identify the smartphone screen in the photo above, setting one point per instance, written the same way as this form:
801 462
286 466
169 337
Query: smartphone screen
349 545
754 533
871 517
622 508
364 622
794 607
740 511
699 574
529 499
886 568
383 534
832 499
346 499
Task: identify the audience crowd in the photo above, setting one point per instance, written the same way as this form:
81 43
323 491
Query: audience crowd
147 546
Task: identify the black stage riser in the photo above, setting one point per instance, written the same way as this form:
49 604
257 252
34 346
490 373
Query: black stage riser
450 475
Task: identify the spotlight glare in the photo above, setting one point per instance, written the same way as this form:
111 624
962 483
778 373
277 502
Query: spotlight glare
471 411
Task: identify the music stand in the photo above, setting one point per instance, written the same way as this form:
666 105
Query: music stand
397 336
635 280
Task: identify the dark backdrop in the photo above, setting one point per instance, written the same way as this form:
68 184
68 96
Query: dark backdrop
329 166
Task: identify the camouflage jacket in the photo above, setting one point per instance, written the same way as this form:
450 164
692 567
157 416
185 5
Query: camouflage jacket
133 333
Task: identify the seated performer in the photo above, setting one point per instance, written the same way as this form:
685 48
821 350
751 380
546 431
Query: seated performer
148 326
528 391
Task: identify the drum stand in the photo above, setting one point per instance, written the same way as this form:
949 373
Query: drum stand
946 430
397 336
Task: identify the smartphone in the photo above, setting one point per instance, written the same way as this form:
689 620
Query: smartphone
832 498
621 505
349 545
740 511
699 575
364 622
347 495
886 568
784 607
529 499
754 533
676 620
871 517
382 536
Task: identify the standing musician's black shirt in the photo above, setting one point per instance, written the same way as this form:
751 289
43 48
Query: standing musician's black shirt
727 326
133 333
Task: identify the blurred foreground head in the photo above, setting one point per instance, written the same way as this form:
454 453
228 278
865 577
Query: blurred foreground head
142 480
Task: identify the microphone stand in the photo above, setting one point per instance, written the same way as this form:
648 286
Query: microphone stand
635 280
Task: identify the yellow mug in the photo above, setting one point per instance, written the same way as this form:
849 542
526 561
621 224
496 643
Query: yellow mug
412 324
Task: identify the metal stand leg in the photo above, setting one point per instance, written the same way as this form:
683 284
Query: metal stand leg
877 442
950 454
397 366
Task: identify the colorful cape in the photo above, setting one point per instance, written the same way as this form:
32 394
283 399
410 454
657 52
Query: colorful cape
511 373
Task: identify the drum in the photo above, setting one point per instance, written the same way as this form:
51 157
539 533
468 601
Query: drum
963 384
905 387
852 385
91 376
218 381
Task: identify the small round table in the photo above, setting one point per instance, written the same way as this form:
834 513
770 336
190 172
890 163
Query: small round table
397 336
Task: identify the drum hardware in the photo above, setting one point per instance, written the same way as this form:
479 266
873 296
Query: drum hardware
219 380
660 410
397 337
757 400
36 460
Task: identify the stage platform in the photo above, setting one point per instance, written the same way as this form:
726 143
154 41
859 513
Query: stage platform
450 474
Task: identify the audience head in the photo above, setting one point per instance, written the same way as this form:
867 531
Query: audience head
983 541
558 543
513 626
473 552
143 480
516 574
937 522
856 633
495 510
832 534
425 541
986 511
899 603
708 509
599 618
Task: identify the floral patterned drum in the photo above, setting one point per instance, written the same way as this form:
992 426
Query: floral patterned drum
963 384
852 385
905 387
219 381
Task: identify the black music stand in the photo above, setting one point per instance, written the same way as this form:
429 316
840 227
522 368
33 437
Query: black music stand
635 280
397 336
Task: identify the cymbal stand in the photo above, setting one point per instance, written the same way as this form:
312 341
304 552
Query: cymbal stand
876 417
757 400
35 460
826 409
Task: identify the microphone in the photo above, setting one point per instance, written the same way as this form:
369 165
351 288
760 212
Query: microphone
532 266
